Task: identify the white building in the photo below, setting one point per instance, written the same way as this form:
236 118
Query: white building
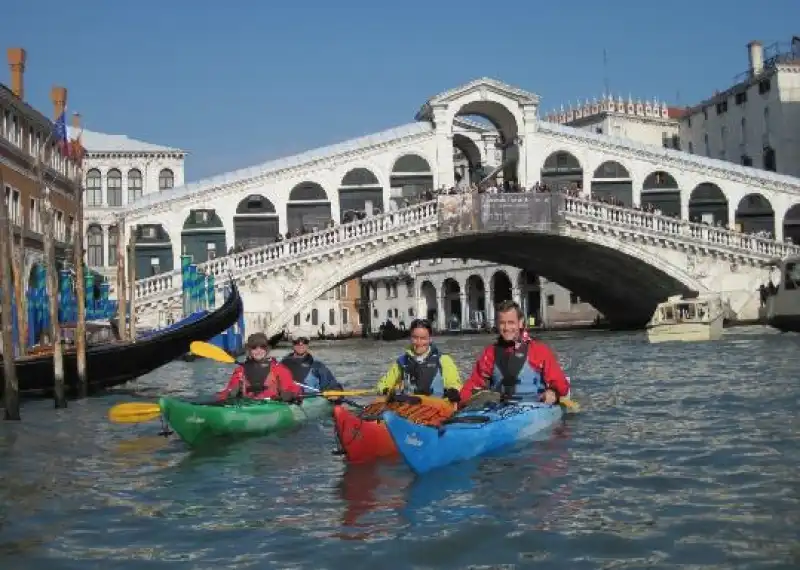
756 121
462 294
118 171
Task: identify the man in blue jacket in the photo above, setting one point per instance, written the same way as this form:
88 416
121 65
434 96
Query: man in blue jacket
307 370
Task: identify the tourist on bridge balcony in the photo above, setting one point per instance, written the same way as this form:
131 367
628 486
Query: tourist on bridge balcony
515 365
422 369
261 377
306 370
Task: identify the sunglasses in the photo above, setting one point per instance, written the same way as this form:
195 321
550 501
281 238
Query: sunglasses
301 340
261 346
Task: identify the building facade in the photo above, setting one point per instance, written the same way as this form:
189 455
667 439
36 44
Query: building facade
28 138
756 121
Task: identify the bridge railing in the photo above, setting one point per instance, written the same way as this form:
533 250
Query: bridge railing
326 239
389 222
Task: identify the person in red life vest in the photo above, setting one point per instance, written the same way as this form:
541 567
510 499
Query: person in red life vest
262 377
515 366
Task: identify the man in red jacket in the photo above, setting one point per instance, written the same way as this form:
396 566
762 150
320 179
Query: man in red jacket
515 366
261 377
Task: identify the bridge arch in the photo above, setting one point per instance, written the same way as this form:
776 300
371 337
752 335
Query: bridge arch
562 170
476 298
791 224
708 203
411 179
203 235
612 183
754 214
469 169
622 280
154 252
427 291
358 187
255 223
308 207
661 192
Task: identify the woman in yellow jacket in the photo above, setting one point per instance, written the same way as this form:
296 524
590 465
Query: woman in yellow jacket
422 369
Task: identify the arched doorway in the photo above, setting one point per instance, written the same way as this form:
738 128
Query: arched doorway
360 192
411 180
661 193
256 222
770 162
476 302
708 204
308 209
154 253
428 293
791 224
562 171
612 183
203 236
451 293
531 294
502 289
754 214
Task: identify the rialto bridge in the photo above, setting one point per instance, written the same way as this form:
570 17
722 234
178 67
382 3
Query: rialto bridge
617 257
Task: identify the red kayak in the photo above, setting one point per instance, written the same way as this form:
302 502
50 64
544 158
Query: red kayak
365 438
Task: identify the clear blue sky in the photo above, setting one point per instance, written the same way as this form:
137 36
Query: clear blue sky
239 82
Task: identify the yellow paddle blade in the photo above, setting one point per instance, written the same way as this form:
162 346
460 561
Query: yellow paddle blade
207 350
343 393
571 405
134 412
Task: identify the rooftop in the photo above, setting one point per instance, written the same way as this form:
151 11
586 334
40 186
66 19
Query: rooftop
93 141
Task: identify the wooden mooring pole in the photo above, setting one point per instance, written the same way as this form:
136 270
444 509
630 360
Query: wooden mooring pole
121 289
132 282
80 280
11 387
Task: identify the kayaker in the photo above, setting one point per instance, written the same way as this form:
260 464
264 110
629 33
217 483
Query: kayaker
422 369
262 377
516 365
306 369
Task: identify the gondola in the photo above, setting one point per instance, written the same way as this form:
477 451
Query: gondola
114 363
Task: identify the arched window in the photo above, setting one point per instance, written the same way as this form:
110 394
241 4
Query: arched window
114 187
314 317
94 246
134 185
166 179
94 188
113 243
332 317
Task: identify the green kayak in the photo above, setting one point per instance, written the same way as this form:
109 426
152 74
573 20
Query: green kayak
197 423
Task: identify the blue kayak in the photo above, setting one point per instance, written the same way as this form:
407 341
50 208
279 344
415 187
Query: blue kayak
469 434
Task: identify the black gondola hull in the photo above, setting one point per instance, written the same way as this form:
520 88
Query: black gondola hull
114 364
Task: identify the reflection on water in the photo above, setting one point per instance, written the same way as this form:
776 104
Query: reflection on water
683 455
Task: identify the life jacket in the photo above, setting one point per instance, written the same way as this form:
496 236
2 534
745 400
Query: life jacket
256 374
513 373
424 376
303 369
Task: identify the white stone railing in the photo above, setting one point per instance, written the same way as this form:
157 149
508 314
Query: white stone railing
425 214
743 244
329 239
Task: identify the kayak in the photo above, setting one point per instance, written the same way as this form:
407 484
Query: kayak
197 423
468 434
363 436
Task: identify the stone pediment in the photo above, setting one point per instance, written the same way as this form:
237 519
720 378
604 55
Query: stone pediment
483 85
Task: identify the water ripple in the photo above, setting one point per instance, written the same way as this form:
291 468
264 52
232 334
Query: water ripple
684 456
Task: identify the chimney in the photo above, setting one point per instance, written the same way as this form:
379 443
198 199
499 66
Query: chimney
755 51
16 61
58 95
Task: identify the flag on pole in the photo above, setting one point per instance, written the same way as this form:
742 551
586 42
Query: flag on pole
60 135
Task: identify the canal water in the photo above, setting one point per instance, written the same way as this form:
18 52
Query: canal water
684 456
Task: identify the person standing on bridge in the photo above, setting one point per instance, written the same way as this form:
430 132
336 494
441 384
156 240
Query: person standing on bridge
516 365
307 371
422 368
